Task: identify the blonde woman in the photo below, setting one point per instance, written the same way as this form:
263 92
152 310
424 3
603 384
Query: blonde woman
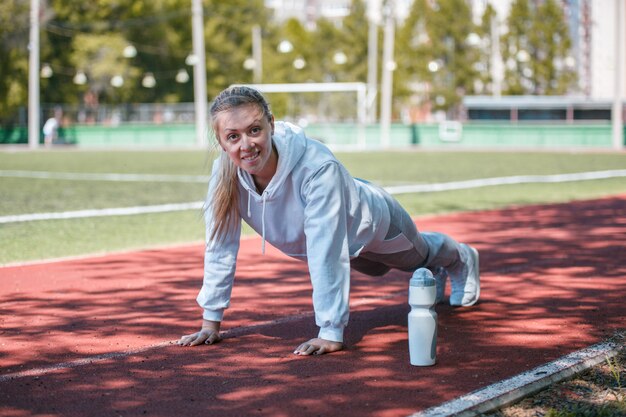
301 199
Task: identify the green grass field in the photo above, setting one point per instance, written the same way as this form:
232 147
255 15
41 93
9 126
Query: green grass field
34 240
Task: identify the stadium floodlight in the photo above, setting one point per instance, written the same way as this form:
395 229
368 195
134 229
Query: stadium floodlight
46 71
473 39
182 76
249 64
129 51
523 56
191 60
80 78
284 47
299 63
340 58
148 80
117 81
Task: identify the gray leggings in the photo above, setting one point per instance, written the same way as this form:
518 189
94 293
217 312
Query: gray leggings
430 250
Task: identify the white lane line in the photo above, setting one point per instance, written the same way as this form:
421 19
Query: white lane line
400 189
77 176
236 332
512 389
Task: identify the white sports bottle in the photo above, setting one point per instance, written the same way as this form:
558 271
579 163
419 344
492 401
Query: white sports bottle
422 318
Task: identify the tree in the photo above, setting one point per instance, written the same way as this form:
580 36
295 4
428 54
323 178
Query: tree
352 45
437 41
14 26
486 39
93 36
228 37
536 49
554 68
413 53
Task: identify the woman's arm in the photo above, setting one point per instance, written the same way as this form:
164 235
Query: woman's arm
327 208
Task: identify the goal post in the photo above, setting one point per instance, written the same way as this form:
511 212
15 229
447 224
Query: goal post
358 88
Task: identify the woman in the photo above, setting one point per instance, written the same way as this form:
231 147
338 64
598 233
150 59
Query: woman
270 171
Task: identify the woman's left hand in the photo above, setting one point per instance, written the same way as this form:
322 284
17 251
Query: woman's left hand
318 346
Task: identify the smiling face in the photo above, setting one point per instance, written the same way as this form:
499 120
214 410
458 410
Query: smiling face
245 134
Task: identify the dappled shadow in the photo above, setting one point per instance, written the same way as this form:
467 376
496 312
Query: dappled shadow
61 311
553 282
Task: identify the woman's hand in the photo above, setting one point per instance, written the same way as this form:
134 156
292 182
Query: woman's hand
209 334
318 346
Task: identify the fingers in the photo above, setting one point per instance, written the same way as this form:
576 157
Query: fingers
201 337
213 338
187 339
308 348
305 349
318 347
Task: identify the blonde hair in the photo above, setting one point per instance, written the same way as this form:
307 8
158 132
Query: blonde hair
225 204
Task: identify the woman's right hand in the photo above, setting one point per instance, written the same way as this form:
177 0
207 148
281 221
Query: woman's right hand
209 334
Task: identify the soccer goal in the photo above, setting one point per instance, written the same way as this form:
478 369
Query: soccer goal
334 113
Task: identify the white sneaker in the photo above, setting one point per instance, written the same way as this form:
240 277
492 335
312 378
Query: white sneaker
465 279
441 276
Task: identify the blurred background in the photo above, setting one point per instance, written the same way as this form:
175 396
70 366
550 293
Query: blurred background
360 73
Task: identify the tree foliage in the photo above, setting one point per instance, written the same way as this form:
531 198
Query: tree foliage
14 24
441 53
536 49
436 47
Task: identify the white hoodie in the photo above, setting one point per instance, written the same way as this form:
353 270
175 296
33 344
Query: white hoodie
312 210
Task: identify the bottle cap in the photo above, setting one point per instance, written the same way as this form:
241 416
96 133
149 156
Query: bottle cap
422 278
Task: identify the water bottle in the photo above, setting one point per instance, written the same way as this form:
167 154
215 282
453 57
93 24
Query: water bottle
422 318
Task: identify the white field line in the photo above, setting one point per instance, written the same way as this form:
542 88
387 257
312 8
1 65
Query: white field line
120 211
517 179
400 189
75 176
519 386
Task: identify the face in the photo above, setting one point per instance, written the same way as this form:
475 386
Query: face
245 134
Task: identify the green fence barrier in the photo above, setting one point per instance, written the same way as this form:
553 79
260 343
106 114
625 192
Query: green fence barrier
148 136
450 134
516 135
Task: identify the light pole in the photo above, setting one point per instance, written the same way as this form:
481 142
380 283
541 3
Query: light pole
387 73
372 58
257 54
617 121
33 77
199 71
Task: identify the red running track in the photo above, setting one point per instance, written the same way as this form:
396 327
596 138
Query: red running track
88 337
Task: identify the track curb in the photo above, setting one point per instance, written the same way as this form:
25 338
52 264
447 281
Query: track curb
524 384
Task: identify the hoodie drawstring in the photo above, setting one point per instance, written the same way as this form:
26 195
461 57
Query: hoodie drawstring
263 226
262 218
249 198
